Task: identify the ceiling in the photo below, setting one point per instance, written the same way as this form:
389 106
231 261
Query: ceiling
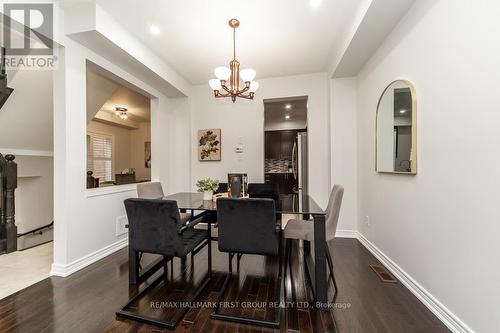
105 94
276 110
276 38
137 105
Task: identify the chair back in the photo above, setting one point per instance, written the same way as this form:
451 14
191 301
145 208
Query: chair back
333 211
154 226
222 188
261 190
150 190
247 225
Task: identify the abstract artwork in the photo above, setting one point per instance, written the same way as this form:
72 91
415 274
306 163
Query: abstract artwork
209 145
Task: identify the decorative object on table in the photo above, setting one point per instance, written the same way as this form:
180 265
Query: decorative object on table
228 79
243 180
235 187
208 187
147 154
209 145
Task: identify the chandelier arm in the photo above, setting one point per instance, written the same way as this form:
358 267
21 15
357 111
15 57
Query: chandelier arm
226 89
247 96
223 95
242 90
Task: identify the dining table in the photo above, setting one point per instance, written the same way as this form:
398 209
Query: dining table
298 203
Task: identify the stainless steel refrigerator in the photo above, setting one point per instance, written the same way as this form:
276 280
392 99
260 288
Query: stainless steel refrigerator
299 162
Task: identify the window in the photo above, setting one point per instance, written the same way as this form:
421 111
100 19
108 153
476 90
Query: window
100 156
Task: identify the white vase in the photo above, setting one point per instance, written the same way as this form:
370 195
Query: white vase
207 195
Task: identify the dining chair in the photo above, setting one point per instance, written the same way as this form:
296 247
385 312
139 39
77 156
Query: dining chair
155 227
153 190
248 225
263 190
223 187
304 230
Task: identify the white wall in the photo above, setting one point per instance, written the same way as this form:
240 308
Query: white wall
138 138
244 121
344 148
34 196
85 220
26 117
441 226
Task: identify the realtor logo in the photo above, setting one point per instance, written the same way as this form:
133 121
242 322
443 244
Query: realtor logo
28 35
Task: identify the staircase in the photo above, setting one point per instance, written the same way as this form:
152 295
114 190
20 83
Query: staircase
4 90
8 184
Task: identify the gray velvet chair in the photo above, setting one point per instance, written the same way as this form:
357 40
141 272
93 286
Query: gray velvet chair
153 190
261 190
304 230
155 227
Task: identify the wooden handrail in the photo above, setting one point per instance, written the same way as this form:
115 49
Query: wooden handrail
8 185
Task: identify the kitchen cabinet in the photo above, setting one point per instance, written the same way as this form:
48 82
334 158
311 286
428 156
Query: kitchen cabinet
287 142
279 144
273 144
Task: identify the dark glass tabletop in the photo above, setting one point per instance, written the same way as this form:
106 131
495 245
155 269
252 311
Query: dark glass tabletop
287 204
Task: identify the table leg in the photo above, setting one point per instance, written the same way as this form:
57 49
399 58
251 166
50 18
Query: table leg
320 278
209 240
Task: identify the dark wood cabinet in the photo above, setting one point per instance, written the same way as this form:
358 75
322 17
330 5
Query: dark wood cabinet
287 142
279 144
273 144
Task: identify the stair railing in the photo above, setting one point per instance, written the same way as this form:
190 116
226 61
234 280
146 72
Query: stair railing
8 185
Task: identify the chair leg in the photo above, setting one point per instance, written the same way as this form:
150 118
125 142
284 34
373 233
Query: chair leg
153 321
133 273
230 262
330 266
238 258
165 265
288 253
245 320
209 243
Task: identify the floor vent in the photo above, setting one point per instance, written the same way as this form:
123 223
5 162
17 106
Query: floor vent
383 274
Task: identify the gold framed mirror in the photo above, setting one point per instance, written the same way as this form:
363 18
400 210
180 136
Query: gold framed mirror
396 129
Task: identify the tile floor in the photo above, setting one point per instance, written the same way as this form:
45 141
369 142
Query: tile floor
21 269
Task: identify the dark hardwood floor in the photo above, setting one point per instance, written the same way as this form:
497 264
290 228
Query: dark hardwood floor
87 300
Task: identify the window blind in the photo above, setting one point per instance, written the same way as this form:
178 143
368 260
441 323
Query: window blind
100 155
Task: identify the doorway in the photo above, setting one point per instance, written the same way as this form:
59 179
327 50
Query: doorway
285 144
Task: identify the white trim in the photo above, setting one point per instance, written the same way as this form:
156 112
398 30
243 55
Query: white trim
26 152
107 190
435 306
73 267
346 233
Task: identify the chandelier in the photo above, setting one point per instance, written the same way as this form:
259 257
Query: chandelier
121 112
228 80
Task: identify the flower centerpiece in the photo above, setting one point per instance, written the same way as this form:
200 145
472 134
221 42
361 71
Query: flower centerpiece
207 186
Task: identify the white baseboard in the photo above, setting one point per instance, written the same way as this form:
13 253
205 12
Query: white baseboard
346 233
442 312
68 269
